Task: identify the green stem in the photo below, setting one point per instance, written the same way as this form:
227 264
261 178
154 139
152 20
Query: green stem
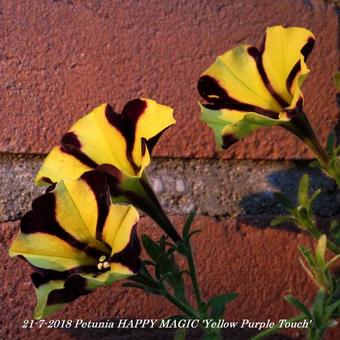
193 276
166 225
315 334
300 127
139 192
274 329
189 311
181 306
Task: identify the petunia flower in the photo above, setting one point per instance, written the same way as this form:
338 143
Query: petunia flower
118 145
77 240
247 87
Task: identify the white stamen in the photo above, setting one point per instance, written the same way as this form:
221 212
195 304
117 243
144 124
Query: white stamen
106 265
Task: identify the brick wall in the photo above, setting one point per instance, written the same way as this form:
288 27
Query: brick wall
59 59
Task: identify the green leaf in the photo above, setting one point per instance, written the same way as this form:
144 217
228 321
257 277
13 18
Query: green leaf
303 216
153 249
330 142
285 201
162 242
176 279
193 233
144 270
303 190
133 285
331 309
337 150
332 261
180 334
314 164
188 224
315 195
320 251
335 230
162 266
318 307
307 254
281 220
211 337
299 305
143 279
148 263
152 291
218 303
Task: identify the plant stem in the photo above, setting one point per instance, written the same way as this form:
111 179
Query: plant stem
139 192
181 306
191 313
193 276
300 127
166 225
274 329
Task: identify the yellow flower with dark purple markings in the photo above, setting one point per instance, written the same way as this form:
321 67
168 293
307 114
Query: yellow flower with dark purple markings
247 87
118 145
77 240
123 141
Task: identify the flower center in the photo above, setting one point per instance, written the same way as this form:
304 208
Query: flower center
103 263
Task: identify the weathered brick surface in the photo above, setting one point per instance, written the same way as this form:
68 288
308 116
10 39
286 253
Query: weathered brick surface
219 188
261 264
59 59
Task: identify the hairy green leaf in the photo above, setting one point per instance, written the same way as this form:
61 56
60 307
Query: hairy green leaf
303 190
299 305
218 304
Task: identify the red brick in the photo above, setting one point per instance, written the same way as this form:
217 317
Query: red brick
259 263
59 59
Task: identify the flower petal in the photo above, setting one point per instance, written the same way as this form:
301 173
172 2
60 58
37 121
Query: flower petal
49 251
52 295
284 54
64 228
231 125
119 225
55 289
233 82
105 137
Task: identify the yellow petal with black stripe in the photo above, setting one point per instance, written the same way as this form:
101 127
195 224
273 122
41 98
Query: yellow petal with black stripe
234 79
105 137
49 252
53 295
42 309
284 54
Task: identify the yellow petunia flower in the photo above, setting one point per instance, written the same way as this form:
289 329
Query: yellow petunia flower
77 240
103 136
247 87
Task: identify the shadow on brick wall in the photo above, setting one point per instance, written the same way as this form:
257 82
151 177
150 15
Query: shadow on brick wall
287 182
